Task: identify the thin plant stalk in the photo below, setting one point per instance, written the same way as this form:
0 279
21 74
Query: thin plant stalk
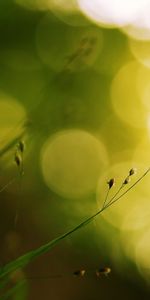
123 194
7 184
115 195
22 261
3 188
13 290
105 200
21 173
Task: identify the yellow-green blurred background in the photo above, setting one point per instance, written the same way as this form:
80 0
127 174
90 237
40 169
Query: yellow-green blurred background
75 86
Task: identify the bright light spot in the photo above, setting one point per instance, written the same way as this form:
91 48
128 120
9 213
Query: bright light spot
112 12
143 87
146 97
138 215
140 28
143 21
142 152
148 125
136 245
133 14
64 47
126 100
12 112
72 162
137 33
141 51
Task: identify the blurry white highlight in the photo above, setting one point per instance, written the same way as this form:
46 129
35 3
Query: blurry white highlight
113 12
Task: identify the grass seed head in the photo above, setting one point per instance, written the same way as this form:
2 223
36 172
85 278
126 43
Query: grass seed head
127 180
103 271
132 171
21 146
79 273
111 183
18 159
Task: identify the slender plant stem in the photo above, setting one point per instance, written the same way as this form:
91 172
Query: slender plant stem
22 261
7 184
10 182
115 195
105 200
14 289
123 194
21 173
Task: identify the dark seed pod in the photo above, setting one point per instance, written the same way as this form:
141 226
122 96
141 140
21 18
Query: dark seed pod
111 183
17 159
132 172
127 180
79 273
21 146
103 271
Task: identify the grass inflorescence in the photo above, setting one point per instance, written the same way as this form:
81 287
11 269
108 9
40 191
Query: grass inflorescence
25 259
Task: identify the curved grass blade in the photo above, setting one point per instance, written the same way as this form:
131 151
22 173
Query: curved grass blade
23 260
13 290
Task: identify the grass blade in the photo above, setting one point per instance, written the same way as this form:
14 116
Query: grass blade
23 260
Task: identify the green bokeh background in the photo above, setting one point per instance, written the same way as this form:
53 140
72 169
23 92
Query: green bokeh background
61 93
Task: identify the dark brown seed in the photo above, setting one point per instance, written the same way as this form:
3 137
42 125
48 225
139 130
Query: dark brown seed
111 183
127 180
17 159
132 171
21 146
79 273
103 271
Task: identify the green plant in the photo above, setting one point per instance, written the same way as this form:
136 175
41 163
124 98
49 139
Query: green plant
25 259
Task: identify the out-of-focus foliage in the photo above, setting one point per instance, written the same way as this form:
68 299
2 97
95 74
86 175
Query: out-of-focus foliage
74 85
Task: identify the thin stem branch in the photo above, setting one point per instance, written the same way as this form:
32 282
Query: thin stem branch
13 290
22 261
123 194
105 200
7 184
115 195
